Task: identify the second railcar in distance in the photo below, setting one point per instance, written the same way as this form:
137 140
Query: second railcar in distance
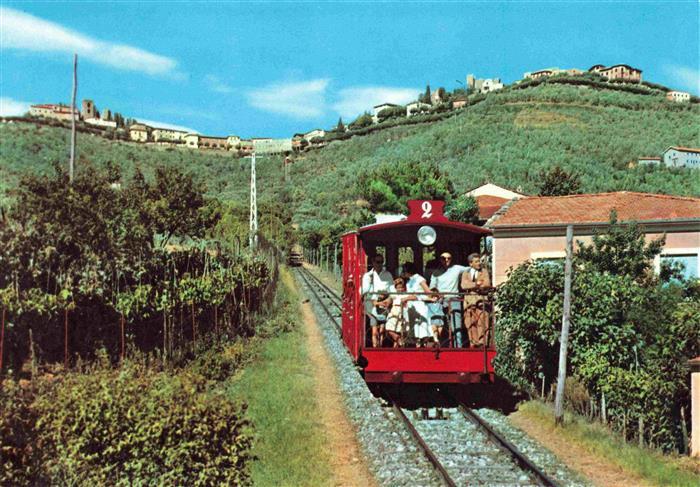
424 234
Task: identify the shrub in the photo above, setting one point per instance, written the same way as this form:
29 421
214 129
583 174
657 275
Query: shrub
121 427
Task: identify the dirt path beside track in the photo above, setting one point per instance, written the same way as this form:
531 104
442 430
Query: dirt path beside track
597 470
346 458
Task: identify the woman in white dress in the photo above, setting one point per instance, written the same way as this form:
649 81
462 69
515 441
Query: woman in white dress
418 314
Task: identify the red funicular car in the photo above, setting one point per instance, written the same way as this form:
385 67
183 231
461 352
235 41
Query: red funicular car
419 238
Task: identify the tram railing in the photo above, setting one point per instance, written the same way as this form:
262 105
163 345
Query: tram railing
470 306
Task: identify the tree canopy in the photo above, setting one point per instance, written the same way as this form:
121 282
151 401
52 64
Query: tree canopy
558 182
390 186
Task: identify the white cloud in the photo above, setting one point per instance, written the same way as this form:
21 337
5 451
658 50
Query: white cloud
12 108
19 30
685 77
165 125
302 100
216 84
355 100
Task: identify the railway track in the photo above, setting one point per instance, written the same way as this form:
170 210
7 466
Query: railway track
465 450
460 445
329 300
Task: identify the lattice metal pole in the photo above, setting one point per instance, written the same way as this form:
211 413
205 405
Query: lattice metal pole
253 227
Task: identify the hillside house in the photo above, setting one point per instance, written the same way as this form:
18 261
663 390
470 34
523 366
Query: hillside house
168 135
56 112
618 71
483 85
210 142
139 132
314 133
298 142
678 96
101 122
378 108
437 97
551 72
416 107
460 102
272 146
648 160
246 147
233 142
191 140
682 157
535 228
491 198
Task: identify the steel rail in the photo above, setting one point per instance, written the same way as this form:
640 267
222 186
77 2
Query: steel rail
330 292
304 275
432 458
509 448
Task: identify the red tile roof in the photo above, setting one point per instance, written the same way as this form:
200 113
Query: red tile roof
488 205
595 208
683 149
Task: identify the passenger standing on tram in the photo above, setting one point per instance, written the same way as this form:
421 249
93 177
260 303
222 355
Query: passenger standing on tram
476 307
447 281
377 280
418 314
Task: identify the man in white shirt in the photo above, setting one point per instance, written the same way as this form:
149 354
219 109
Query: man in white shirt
374 282
447 281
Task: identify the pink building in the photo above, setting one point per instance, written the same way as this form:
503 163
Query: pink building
535 228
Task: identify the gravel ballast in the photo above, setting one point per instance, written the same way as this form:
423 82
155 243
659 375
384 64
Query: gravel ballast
395 459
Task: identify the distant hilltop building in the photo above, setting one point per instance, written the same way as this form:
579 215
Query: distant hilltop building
618 71
272 146
314 133
378 108
57 112
682 157
168 135
139 132
678 96
649 160
88 113
416 107
551 72
483 85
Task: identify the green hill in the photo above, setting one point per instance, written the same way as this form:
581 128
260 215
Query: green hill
506 139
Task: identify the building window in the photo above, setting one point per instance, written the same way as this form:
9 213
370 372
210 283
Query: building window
687 264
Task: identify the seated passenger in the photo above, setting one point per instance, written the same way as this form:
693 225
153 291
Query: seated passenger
418 315
374 282
396 319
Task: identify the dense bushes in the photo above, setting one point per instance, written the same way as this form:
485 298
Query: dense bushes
121 427
631 335
87 265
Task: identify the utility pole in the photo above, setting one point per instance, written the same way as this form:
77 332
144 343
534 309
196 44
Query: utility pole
286 163
253 227
71 166
565 322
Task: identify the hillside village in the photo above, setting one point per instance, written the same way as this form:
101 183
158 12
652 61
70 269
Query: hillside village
428 107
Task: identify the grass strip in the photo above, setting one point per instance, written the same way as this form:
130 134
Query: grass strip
652 466
279 388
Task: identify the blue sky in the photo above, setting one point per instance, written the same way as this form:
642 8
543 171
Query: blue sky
272 69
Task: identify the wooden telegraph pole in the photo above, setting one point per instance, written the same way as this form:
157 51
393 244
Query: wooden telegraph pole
565 322
71 166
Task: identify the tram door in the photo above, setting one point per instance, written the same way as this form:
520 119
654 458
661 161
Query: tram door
353 262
